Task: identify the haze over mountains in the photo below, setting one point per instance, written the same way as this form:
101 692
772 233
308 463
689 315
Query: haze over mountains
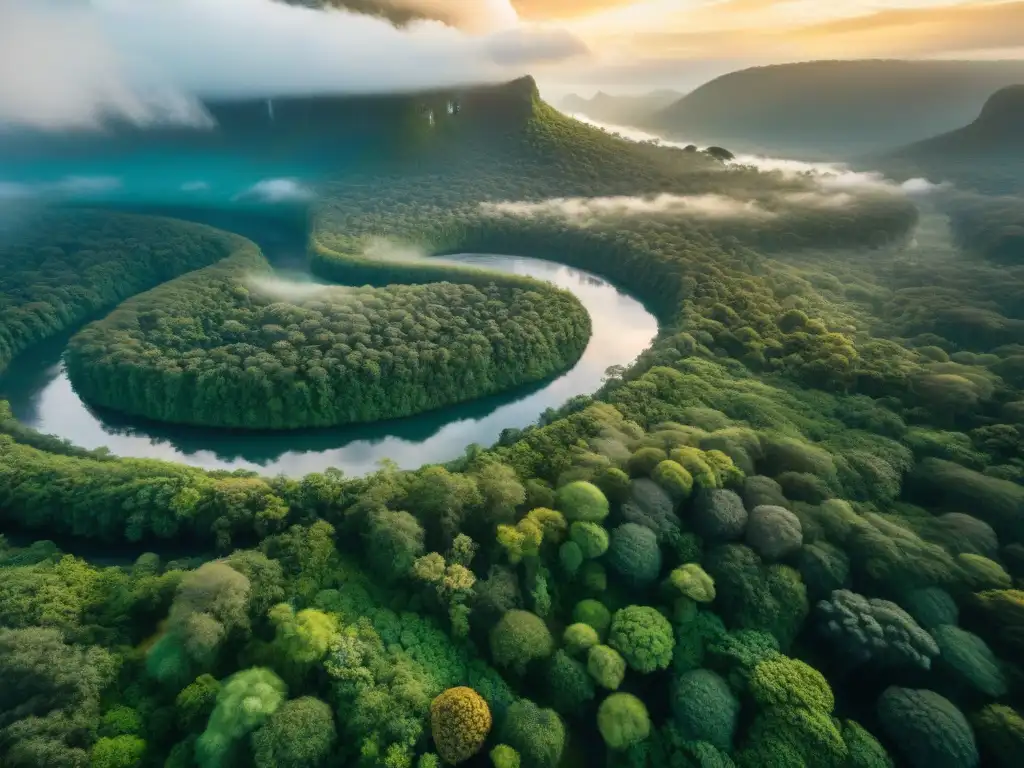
621 110
824 109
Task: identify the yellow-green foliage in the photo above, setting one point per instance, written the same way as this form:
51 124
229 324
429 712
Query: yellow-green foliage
524 539
623 721
460 721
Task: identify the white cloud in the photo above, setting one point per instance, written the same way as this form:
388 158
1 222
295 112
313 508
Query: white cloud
277 191
587 210
72 64
195 186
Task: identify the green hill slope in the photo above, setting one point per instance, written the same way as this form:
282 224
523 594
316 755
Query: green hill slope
835 108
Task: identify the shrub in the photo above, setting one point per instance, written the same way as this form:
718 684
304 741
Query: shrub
931 607
538 735
301 734
868 629
676 481
759 491
980 573
1000 730
865 751
999 503
634 554
606 666
719 515
643 461
593 576
648 505
591 538
824 568
580 638
571 557
519 638
623 721
774 532
790 683
594 613
459 721
696 463
643 636
504 756
927 729
570 687
693 583
117 752
803 486
968 662
614 483
704 708
582 501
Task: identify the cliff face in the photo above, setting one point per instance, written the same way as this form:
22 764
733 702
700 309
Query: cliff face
308 125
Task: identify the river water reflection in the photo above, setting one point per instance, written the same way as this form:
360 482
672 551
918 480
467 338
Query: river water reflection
42 397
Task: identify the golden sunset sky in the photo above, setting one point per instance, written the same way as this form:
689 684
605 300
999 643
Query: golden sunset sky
634 39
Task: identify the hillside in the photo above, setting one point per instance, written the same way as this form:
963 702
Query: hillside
829 109
620 110
985 155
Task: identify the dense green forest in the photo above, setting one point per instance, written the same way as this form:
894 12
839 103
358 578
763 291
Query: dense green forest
227 346
58 269
790 535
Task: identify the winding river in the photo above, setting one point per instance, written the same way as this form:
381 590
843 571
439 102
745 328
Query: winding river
42 397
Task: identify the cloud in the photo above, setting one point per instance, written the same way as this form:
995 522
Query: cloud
70 64
57 71
292 290
531 46
467 14
195 186
584 211
277 191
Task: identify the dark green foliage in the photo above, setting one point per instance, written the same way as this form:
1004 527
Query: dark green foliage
644 461
634 554
824 568
300 734
569 685
519 638
931 607
652 507
65 266
704 708
718 515
968 662
751 595
643 637
759 490
773 532
871 630
927 729
538 735
346 355
997 502
195 702
1000 731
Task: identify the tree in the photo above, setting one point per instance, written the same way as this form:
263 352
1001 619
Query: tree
460 721
245 701
300 734
643 637
520 638
623 721
928 730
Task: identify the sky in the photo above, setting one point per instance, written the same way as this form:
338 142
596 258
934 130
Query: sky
72 62
683 42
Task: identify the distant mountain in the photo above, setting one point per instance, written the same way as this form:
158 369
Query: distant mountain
621 110
835 109
986 155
